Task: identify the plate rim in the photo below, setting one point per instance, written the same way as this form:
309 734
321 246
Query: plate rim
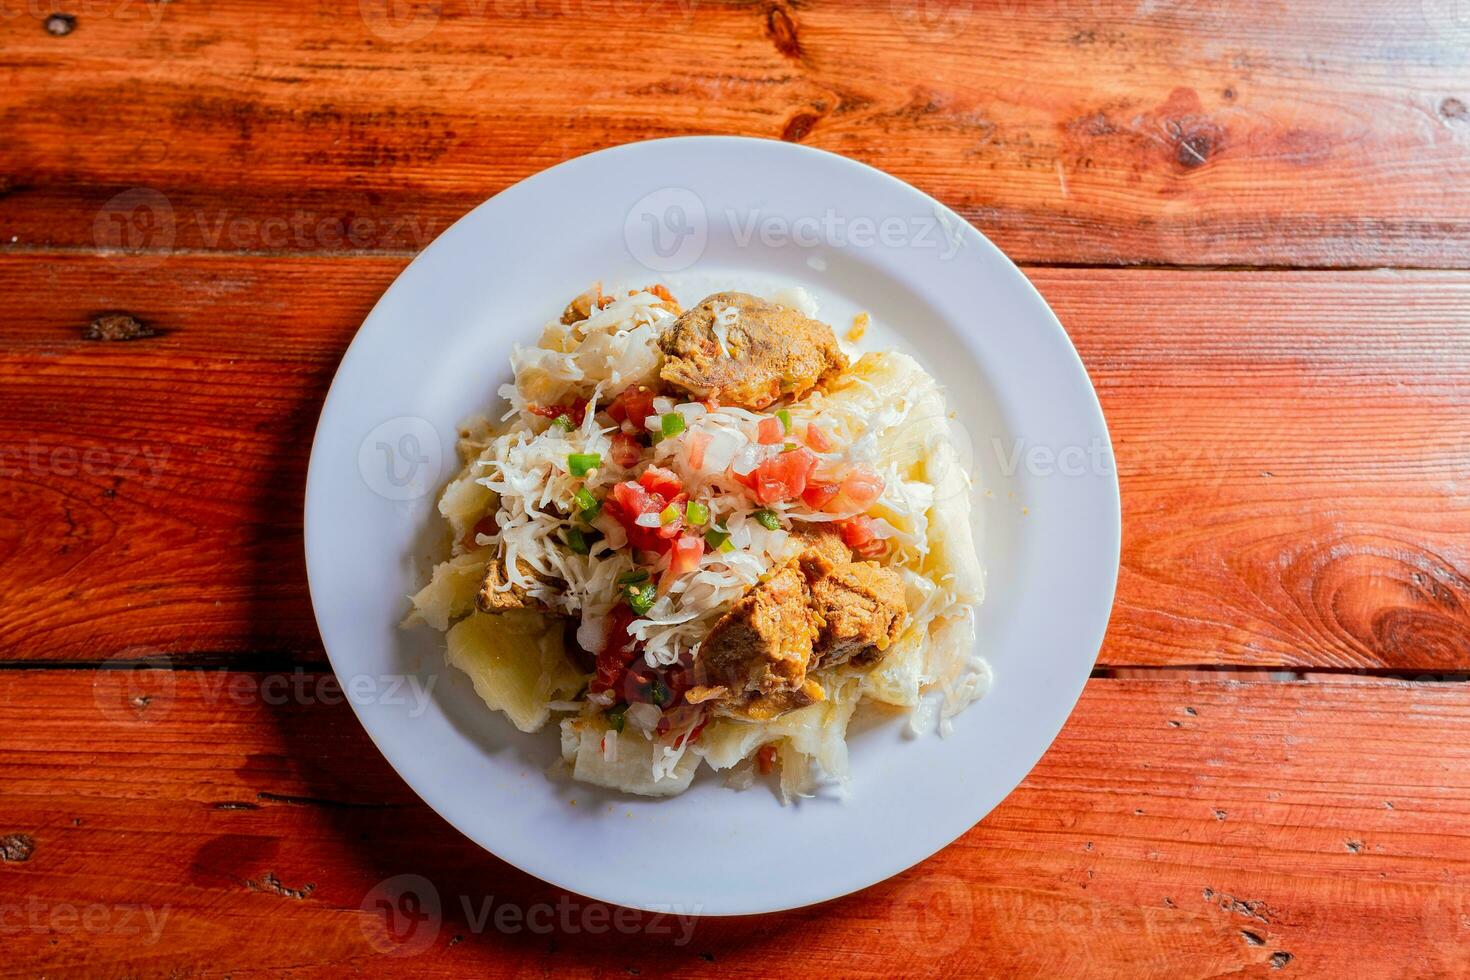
1112 533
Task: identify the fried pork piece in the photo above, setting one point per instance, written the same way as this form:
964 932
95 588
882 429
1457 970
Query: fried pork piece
765 352
860 611
762 645
819 610
493 597
825 548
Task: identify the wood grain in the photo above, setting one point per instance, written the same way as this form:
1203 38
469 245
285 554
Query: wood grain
1087 131
1292 449
1315 826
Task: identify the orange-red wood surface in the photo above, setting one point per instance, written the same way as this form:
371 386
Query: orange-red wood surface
1250 216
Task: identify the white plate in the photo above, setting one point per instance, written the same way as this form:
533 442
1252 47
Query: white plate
701 213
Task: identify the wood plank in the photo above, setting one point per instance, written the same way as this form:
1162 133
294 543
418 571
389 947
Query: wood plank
1310 133
1316 826
1292 453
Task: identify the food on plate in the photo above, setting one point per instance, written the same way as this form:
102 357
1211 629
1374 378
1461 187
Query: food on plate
704 537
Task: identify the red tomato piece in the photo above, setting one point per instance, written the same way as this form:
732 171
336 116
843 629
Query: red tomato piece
860 535
626 450
576 410
633 404
819 495
663 482
631 499
819 440
617 653
687 552
770 432
784 477
861 488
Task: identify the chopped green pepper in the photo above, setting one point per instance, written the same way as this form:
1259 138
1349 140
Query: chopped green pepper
577 541
695 512
767 519
785 418
668 515
564 422
636 577
642 600
580 464
585 501
658 693
716 538
672 423
615 717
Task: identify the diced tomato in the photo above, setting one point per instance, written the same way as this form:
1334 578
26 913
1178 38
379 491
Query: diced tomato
663 482
766 759
819 495
697 443
687 552
576 410
860 535
631 499
770 432
634 405
617 652
861 488
784 477
819 440
626 450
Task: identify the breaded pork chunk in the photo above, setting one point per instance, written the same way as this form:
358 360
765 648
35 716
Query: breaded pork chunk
750 357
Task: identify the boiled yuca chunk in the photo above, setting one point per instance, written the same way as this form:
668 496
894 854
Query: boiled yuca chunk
517 663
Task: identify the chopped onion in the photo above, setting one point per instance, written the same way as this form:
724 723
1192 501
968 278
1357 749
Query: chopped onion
643 717
649 519
745 461
720 453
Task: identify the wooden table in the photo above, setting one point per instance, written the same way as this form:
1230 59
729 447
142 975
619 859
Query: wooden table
1251 216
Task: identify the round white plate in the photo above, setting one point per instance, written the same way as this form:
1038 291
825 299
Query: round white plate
704 213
